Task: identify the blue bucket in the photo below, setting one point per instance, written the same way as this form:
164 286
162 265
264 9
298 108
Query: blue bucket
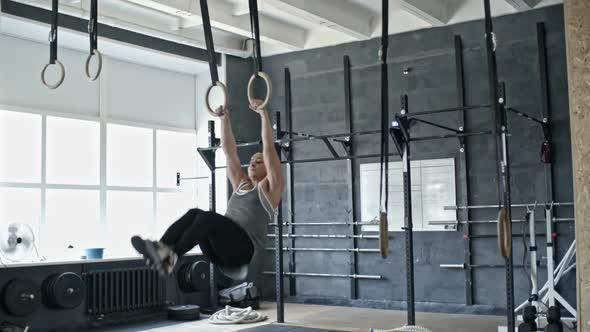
94 253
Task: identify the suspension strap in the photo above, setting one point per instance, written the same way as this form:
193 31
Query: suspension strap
53 49
209 42
93 36
255 29
93 25
212 60
53 32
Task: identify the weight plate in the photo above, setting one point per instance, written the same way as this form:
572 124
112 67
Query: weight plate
21 297
184 312
198 277
67 290
194 277
183 276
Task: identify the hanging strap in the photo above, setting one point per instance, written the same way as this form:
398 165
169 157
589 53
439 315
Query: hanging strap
93 36
212 60
209 42
93 25
255 28
53 49
384 182
53 32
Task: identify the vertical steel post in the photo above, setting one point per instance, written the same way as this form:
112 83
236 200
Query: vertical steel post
408 224
279 286
290 182
351 178
502 158
213 296
463 214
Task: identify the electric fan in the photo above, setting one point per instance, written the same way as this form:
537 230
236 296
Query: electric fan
17 241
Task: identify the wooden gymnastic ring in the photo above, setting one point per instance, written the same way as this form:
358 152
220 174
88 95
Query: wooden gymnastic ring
225 98
504 233
267 81
98 70
383 235
61 77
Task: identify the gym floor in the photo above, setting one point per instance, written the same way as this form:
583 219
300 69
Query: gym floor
337 318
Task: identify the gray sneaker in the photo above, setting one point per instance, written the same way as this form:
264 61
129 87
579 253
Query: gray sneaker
157 255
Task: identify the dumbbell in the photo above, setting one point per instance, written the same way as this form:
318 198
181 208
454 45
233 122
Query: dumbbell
554 323
529 317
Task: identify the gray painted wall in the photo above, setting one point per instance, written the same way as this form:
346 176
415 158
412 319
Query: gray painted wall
321 189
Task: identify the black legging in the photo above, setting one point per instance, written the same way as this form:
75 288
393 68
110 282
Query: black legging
220 239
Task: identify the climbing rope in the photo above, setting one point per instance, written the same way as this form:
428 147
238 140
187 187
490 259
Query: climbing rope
231 315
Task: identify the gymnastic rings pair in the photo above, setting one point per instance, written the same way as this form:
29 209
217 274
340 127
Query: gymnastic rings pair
263 75
91 77
62 75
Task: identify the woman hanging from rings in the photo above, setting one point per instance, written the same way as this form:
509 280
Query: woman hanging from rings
231 240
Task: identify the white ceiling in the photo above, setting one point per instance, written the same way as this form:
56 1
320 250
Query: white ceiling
286 25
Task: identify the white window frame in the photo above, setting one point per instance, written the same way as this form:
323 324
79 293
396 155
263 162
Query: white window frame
103 188
418 225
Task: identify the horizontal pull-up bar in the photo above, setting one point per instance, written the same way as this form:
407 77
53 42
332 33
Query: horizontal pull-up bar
322 159
436 125
300 139
426 138
526 116
294 133
178 178
443 110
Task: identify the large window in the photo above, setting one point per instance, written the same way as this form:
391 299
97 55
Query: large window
433 188
87 183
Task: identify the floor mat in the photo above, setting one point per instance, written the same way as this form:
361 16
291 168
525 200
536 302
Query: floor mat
284 328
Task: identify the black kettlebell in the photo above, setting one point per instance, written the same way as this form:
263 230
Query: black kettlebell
554 323
529 316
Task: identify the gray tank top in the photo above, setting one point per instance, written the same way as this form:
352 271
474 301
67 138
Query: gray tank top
252 210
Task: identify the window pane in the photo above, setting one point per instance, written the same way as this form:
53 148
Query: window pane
20 147
129 156
20 205
172 206
73 151
128 214
72 218
176 152
221 190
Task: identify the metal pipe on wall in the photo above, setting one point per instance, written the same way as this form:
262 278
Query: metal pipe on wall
491 206
489 221
329 275
326 223
326 236
328 249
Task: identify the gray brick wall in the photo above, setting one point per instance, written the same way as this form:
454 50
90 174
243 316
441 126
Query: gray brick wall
321 189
